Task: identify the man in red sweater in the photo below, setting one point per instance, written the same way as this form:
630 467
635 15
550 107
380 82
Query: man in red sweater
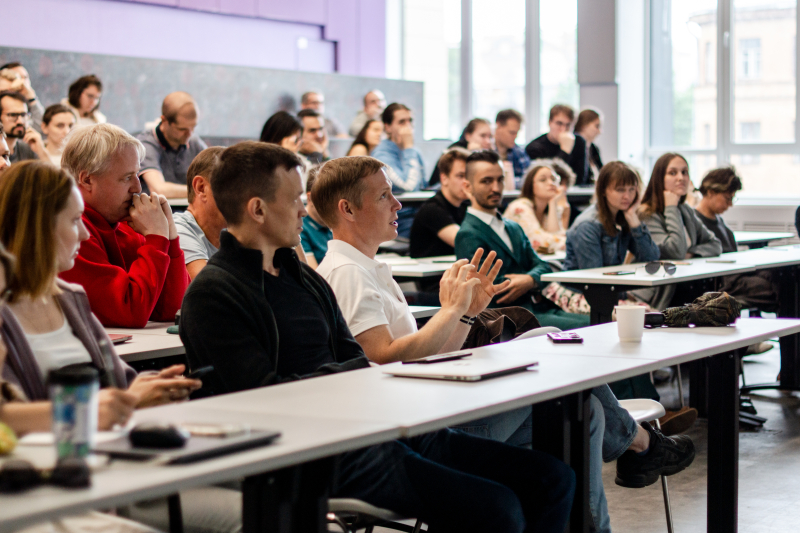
132 266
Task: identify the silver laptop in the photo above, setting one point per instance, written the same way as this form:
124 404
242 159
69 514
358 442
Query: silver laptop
470 368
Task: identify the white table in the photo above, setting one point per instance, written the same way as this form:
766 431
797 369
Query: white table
601 290
150 342
305 440
419 406
423 311
759 239
429 267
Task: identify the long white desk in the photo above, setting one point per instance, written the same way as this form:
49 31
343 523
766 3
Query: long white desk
419 406
430 267
601 290
305 440
759 239
324 416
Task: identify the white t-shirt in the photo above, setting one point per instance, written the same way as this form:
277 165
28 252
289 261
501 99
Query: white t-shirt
366 292
57 349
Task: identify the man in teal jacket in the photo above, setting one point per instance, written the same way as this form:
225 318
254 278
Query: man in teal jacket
483 227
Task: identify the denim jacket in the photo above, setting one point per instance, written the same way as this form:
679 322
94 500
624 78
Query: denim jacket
589 246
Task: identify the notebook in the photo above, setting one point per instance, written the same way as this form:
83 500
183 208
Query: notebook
196 448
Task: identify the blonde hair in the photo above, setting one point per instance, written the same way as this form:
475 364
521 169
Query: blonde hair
32 193
89 149
342 178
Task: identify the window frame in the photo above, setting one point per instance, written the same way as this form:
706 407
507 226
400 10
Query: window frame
726 144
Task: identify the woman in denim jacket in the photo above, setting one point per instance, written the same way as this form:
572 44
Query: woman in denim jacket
604 233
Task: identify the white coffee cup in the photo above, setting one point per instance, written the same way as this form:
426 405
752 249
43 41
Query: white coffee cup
630 322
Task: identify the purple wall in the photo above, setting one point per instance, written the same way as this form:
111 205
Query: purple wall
345 36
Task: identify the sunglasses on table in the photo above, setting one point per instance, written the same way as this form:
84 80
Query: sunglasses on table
653 266
18 475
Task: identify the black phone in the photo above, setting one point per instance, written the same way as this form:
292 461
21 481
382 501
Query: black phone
565 338
619 273
438 358
201 372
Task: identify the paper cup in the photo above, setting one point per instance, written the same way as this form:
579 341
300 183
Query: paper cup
630 322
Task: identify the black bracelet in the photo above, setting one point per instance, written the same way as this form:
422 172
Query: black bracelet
467 320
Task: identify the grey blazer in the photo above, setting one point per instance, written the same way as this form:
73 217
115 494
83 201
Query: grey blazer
669 231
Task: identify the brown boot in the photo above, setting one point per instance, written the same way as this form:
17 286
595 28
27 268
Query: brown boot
677 422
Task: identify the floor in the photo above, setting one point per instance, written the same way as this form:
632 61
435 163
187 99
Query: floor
769 469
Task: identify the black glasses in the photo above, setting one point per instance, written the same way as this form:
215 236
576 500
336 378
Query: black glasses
70 472
653 266
17 116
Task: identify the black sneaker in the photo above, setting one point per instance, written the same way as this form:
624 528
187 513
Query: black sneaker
667 456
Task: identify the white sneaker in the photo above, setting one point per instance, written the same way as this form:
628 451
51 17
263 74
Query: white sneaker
761 347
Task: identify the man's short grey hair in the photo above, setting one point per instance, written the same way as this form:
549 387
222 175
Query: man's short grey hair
90 148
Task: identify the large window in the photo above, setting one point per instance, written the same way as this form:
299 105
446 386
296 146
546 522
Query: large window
734 104
558 38
683 90
432 54
498 57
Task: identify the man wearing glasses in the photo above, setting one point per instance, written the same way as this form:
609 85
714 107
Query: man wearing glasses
562 143
23 141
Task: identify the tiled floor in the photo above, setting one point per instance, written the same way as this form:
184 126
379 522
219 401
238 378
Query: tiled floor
769 470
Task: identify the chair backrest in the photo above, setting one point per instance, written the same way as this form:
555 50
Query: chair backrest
538 332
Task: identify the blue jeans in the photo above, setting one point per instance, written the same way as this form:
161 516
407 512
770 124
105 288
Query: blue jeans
611 432
457 482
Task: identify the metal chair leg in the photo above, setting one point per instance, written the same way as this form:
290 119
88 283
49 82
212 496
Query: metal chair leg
417 526
175 514
665 489
680 386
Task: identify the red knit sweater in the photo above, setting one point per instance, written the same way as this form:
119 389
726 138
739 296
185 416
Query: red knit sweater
129 278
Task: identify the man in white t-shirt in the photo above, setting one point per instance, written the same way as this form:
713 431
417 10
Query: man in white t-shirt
373 305
354 197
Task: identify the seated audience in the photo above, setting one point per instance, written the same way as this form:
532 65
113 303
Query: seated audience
374 104
433 232
132 266
588 127
5 153
367 139
24 142
506 128
315 234
560 142
48 324
541 209
284 130
249 312
674 226
314 148
22 84
57 122
171 146
316 101
404 163
200 225
84 99
352 195
757 289
483 227
477 135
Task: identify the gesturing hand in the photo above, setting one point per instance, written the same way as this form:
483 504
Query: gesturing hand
483 293
455 290
520 285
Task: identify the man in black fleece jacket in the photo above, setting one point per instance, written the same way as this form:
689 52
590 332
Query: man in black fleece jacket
561 143
249 313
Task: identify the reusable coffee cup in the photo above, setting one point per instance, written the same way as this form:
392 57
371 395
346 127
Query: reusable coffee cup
630 322
74 394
